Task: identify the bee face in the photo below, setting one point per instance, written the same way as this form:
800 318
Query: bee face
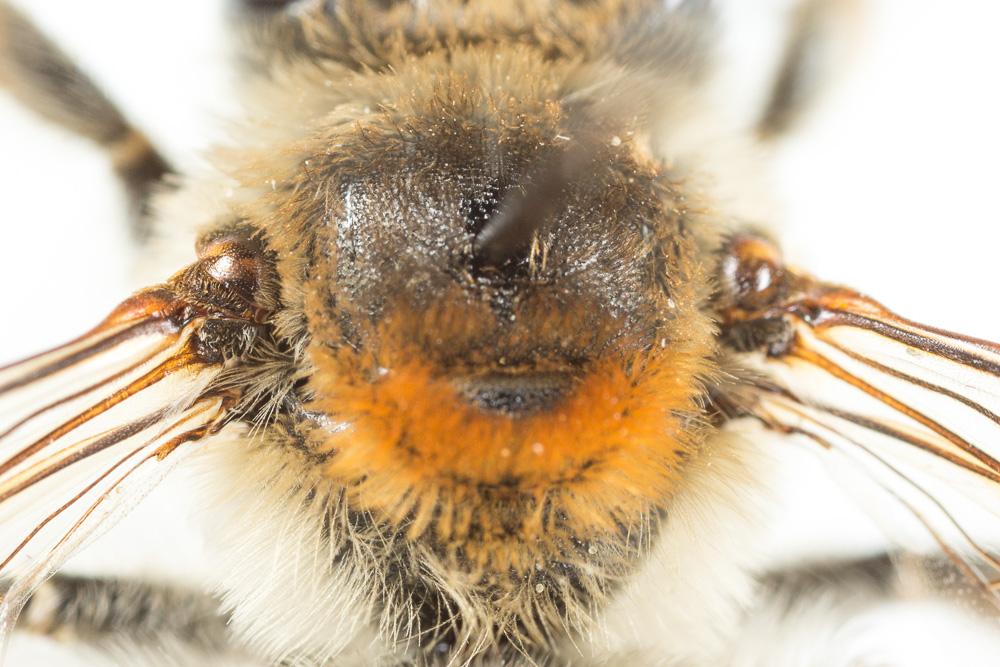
505 320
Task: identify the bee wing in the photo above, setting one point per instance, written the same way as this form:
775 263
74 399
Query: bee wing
913 408
86 429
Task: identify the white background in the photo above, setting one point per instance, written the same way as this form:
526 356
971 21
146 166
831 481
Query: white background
891 187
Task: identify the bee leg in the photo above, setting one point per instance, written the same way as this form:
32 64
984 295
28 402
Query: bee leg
818 36
876 576
116 612
816 614
40 76
804 615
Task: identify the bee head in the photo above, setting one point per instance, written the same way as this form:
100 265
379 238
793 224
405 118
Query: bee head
504 303
507 257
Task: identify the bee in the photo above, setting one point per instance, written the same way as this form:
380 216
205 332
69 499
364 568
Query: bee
479 351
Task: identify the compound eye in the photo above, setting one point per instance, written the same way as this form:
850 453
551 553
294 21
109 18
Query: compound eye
233 269
753 272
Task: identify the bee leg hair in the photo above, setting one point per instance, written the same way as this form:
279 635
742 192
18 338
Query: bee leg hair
42 78
109 612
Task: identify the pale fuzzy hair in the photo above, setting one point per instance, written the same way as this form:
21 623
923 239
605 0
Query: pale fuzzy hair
291 602
687 602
